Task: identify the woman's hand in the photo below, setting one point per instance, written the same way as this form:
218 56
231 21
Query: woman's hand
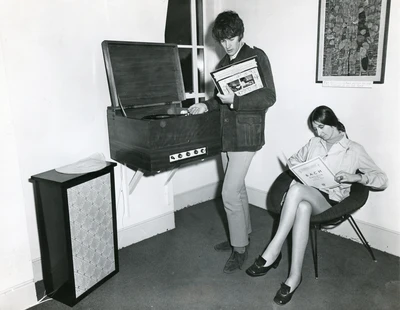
198 108
344 177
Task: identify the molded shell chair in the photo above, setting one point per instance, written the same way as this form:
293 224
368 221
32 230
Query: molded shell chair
327 219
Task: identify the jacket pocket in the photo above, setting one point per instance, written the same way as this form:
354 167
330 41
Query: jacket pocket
250 130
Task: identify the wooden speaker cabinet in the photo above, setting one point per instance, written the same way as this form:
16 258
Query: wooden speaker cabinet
76 218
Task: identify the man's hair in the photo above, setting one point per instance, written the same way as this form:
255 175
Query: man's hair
227 25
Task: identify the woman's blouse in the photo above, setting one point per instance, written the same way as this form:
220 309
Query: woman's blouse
347 156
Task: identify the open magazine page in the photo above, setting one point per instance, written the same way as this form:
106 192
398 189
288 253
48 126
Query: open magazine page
242 78
315 173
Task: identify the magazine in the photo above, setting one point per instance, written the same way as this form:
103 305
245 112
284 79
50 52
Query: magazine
315 173
242 77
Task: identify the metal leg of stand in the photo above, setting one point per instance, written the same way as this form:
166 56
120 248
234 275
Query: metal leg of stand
361 236
314 248
135 180
171 175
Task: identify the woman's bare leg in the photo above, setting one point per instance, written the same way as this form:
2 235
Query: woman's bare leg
300 234
298 195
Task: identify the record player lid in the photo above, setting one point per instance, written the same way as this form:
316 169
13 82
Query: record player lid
141 73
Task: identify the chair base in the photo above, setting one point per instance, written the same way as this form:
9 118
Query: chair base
313 232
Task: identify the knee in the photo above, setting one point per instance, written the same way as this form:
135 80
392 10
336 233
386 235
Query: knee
304 208
226 191
293 195
227 195
295 198
298 192
231 190
230 196
295 190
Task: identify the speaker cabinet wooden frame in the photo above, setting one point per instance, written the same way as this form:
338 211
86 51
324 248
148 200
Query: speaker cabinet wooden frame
76 218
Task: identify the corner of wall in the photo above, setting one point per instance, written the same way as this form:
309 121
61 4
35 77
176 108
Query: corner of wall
198 195
19 297
144 230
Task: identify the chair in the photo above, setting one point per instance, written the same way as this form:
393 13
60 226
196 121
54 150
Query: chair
327 219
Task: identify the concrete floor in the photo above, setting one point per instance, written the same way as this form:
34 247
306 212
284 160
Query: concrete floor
180 270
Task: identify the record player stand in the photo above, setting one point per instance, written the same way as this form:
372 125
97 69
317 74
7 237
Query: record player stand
138 175
171 175
135 180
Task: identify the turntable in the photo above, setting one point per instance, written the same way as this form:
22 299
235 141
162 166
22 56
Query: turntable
147 126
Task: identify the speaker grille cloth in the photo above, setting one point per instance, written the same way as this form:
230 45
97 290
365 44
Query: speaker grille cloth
90 212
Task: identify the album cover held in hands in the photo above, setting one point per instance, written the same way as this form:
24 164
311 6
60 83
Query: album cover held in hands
242 77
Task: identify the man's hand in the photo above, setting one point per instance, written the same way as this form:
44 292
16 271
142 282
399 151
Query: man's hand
198 108
228 98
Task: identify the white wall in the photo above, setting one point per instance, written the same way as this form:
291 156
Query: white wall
54 98
15 257
53 72
288 34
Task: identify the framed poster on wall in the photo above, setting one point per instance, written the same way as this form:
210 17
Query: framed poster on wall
352 40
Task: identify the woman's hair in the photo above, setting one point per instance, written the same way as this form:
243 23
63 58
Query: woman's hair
326 116
227 25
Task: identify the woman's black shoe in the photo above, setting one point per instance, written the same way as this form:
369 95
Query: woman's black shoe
283 296
258 269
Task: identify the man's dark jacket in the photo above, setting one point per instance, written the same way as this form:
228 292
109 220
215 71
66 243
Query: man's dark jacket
242 126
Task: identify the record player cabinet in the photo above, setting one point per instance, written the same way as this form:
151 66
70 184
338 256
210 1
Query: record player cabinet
146 127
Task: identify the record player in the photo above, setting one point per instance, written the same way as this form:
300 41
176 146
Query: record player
147 126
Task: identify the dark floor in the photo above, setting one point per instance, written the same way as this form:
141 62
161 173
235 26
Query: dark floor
180 270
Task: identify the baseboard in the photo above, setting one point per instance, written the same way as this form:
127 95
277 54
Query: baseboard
257 197
378 237
19 297
146 229
128 236
198 195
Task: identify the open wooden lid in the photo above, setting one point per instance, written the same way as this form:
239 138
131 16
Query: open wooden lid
142 74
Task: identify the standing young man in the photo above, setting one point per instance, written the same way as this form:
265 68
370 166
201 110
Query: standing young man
242 133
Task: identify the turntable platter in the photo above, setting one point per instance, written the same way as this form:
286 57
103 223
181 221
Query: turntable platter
161 116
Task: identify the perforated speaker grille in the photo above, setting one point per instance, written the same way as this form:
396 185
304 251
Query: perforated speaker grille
90 212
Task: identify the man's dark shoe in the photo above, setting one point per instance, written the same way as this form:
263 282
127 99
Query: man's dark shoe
223 247
235 261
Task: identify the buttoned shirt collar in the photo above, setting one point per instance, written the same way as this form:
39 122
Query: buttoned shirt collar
344 142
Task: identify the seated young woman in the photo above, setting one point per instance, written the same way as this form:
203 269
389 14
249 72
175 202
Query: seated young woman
344 157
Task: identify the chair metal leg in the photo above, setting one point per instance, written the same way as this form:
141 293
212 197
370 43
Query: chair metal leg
361 236
314 248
